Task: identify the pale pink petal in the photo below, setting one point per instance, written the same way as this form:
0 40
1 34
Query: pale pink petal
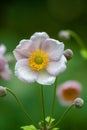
38 38
55 68
2 63
23 50
45 78
54 48
24 72
2 49
6 73
71 84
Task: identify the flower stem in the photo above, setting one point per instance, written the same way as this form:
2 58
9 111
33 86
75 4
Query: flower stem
20 104
61 118
43 107
77 38
53 101
79 41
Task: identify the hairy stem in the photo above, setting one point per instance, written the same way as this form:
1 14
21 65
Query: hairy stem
20 104
61 118
53 101
43 107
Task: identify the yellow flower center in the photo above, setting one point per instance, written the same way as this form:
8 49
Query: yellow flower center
38 60
70 94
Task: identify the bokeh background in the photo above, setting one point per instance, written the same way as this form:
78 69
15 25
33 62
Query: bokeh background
19 20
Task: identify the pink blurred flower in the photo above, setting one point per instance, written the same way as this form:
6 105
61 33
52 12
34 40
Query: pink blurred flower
68 91
39 59
5 72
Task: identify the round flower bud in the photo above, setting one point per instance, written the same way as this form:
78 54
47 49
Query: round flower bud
78 102
64 35
3 91
68 54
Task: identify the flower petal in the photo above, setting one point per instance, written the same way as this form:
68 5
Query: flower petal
6 73
45 78
25 47
55 68
38 38
2 63
54 48
24 72
2 49
23 50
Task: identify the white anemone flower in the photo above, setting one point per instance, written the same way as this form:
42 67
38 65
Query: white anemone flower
39 59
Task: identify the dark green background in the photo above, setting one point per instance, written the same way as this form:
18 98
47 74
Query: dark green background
19 20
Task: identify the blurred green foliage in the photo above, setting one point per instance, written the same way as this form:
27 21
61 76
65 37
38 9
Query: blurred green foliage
19 20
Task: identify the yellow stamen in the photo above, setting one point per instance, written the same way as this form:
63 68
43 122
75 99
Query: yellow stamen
38 60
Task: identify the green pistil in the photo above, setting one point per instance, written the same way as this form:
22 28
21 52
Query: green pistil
39 60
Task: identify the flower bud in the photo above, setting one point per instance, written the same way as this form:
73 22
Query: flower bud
3 91
68 54
64 35
78 102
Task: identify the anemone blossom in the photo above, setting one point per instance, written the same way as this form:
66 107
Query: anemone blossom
68 91
39 59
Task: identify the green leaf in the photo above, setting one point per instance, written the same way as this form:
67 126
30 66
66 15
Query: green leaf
30 127
55 129
84 53
41 123
48 118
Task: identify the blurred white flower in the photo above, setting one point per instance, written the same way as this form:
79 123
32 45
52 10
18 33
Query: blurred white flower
68 91
39 59
63 34
5 72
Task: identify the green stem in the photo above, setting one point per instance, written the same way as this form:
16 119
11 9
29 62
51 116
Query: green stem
61 118
77 38
83 48
20 104
53 101
43 107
